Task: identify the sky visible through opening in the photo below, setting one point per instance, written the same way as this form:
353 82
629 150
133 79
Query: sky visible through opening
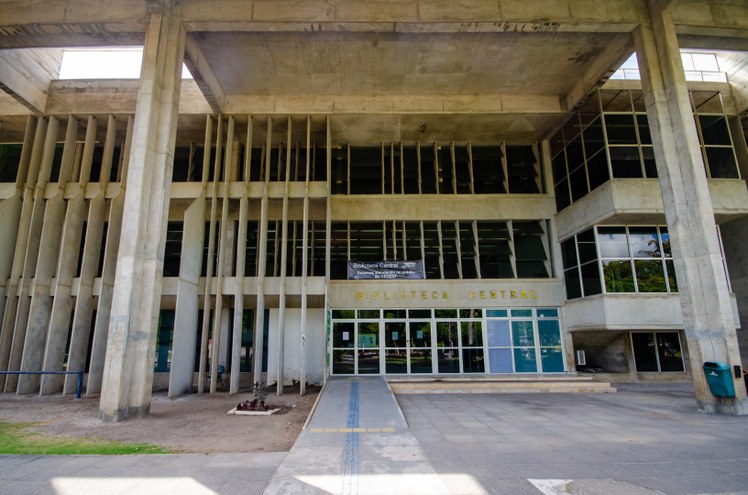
105 63
124 63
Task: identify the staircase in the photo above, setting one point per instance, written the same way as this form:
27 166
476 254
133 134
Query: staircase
497 385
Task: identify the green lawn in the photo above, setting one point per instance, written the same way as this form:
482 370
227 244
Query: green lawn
19 438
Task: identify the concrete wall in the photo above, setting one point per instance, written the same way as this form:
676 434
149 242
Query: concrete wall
736 254
314 343
624 311
639 201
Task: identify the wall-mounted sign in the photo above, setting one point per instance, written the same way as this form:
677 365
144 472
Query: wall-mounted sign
386 270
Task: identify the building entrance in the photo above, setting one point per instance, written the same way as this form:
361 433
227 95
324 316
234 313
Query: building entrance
446 341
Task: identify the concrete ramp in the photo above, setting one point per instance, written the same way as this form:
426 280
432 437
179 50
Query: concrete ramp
360 402
357 442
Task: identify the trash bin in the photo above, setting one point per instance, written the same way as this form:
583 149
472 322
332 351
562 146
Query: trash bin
719 378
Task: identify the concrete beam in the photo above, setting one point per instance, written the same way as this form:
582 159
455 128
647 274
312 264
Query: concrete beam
39 23
404 16
398 104
119 96
203 75
114 96
26 75
597 69
710 17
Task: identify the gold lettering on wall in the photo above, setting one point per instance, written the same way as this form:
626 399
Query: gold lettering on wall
437 294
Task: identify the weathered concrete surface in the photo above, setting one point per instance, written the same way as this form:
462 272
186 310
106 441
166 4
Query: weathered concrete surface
644 439
707 312
185 318
733 240
50 249
128 369
26 75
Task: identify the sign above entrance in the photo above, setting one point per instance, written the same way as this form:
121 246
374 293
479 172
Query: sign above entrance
386 270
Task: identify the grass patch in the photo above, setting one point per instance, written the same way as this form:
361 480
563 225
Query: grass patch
18 438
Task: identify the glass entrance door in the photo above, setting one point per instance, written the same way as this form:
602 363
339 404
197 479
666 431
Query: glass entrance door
356 349
367 338
446 341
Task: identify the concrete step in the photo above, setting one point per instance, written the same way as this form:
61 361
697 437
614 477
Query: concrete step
483 385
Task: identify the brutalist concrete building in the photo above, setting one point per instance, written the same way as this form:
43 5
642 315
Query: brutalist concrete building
414 189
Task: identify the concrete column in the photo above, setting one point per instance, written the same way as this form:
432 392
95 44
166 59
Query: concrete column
103 311
101 325
84 302
204 336
30 231
733 241
284 260
305 260
47 251
97 209
10 214
62 302
188 301
61 285
556 265
241 246
328 241
705 301
10 211
223 342
259 337
15 214
225 250
136 300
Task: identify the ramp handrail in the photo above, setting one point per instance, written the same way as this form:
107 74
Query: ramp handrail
79 373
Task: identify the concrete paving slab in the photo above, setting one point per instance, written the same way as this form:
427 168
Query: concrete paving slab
357 442
647 439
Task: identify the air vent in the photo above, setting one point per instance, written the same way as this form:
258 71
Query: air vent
581 358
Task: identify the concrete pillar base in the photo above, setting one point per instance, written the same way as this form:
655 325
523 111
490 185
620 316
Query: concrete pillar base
125 412
725 406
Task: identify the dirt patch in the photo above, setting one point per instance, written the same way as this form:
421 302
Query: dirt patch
192 423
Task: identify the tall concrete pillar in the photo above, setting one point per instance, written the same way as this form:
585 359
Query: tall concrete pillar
60 285
131 344
185 318
14 219
30 231
108 269
702 284
96 216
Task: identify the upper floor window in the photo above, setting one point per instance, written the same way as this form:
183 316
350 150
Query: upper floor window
609 259
609 137
698 66
436 168
620 258
461 249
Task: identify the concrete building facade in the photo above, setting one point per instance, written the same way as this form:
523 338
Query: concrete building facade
200 234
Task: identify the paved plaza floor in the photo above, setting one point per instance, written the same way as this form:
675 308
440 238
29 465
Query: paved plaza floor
645 439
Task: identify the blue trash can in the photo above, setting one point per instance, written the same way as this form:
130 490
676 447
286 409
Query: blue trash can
719 378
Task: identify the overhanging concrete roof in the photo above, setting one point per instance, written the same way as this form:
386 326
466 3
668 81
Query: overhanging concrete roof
410 70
